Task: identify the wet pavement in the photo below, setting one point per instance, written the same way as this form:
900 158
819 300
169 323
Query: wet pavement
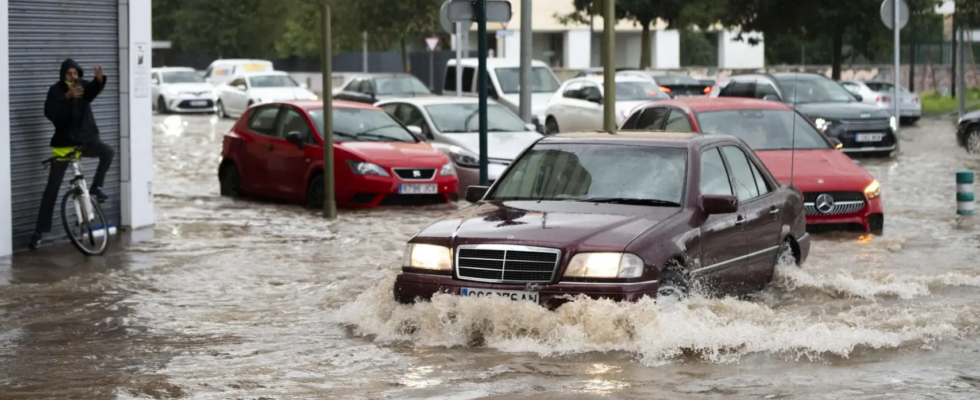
251 299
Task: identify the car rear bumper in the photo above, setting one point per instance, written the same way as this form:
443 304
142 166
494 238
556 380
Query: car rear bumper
372 191
413 287
869 149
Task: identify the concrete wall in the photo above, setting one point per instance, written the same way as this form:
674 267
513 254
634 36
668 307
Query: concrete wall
136 115
6 219
739 54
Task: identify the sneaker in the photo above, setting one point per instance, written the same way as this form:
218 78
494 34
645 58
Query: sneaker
98 195
35 240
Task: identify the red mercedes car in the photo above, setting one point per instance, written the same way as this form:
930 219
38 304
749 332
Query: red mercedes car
838 193
276 150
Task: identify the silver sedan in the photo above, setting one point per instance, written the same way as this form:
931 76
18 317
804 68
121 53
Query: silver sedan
881 93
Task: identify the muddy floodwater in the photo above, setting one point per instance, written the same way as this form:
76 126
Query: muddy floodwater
247 299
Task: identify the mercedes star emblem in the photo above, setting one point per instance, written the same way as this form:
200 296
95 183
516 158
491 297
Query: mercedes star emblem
825 203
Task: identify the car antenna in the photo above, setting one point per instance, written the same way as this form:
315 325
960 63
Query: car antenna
792 151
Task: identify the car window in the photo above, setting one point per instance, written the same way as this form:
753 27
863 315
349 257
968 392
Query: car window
676 80
574 91
391 109
590 90
293 121
268 81
365 125
542 80
236 82
468 74
765 129
638 91
738 89
714 175
263 120
449 83
742 175
851 87
652 119
181 77
464 118
411 115
760 182
763 89
813 89
631 122
399 85
596 172
882 87
677 122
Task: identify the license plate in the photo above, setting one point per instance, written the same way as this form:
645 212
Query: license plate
870 137
511 294
199 103
418 188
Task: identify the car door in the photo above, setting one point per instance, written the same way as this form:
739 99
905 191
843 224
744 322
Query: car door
239 96
722 266
288 163
261 127
563 107
591 112
760 227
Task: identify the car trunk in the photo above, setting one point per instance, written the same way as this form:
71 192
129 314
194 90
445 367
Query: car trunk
681 90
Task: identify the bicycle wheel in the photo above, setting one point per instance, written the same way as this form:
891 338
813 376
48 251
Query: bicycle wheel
89 237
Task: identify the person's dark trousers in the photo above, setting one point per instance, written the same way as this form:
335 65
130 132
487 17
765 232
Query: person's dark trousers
94 150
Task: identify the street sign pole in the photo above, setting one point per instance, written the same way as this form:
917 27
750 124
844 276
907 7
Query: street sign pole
329 198
962 70
896 27
481 21
365 52
525 71
459 59
609 69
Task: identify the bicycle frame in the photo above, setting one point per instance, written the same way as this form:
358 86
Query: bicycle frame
78 184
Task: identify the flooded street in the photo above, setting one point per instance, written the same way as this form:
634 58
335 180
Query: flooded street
246 299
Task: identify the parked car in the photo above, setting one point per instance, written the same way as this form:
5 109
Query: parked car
598 71
837 192
578 106
968 132
675 84
222 71
247 89
581 214
862 128
180 89
372 88
503 84
276 150
881 93
452 124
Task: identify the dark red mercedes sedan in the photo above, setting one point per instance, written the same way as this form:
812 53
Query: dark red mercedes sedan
617 216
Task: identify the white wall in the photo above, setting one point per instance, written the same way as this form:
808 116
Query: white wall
666 49
136 115
578 49
6 222
740 54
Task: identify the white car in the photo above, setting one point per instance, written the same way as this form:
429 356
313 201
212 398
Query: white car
881 93
452 124
578 105
222 71
180 89
244 90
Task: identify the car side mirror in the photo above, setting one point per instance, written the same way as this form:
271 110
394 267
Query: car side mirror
770 97
417 131
240 87
296 138
594 98
837 143
719 204
858 97
476 193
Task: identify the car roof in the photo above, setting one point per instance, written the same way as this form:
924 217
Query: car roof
160 69
640 137
495 62
703 104
240 60
254 73
382 75
308 105
600 79
436 99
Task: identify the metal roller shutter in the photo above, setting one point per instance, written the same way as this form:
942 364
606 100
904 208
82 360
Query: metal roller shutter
42 34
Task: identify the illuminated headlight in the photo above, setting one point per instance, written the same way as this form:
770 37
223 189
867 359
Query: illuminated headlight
448 170
463 157
822 124
171 91
605 265
366 168
428 256
873 190
893 122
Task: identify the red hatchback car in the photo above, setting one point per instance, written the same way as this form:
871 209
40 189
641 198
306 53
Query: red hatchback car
276 150
838 193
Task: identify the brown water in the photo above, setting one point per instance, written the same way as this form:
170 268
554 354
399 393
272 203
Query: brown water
249 299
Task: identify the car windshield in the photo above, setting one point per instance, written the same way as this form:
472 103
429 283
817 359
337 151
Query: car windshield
601 173
359 125
182 77
764 129
676 80
465 118
268 81
806 89
542 80
884 87
398 86
637 91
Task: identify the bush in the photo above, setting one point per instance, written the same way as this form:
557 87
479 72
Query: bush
934 103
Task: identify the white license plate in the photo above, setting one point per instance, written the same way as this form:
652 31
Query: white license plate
511 294
870 137
418 188
199 103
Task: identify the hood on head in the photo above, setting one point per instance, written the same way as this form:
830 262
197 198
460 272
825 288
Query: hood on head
69 63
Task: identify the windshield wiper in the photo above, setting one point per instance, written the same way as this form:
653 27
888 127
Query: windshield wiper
631 201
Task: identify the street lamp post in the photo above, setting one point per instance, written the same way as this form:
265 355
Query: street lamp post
329 197
609 68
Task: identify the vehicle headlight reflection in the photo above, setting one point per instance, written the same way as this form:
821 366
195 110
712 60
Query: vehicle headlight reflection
893 123
605 265
873 190
822 124
448 170
366 168
428 256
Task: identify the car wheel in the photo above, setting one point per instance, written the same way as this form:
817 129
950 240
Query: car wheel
231 181
221 110
162 106
786 253
314 192
973 140
673 282
550 126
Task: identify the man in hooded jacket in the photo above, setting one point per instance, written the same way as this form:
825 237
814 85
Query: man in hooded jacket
69 107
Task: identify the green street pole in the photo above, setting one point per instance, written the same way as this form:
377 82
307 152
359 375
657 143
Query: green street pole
609 68
329 198
481 20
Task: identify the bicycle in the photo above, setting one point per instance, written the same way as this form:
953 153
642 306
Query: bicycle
90 230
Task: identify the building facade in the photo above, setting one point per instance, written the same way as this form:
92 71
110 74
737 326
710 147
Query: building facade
35 37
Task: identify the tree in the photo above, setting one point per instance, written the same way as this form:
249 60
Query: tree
303 30
397 21
228 28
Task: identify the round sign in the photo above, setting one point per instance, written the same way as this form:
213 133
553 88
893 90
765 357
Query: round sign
447 25
888 8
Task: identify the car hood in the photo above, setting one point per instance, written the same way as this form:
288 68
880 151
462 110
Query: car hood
816 170
539 101
396 154
284 93
837 111
556 224
500 145
190 87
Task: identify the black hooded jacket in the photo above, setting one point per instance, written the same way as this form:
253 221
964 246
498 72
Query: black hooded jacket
74 123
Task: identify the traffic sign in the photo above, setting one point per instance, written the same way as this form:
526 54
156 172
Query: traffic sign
447 25
431 42
888 9
464 11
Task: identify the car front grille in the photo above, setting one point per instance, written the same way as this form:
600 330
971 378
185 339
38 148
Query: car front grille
877 124
415 174
839 203
506 263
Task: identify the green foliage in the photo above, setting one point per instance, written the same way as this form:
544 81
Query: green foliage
227 28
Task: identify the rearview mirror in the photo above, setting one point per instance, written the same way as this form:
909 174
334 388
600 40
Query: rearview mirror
594 98
476 193
719 204
296 138
240 87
